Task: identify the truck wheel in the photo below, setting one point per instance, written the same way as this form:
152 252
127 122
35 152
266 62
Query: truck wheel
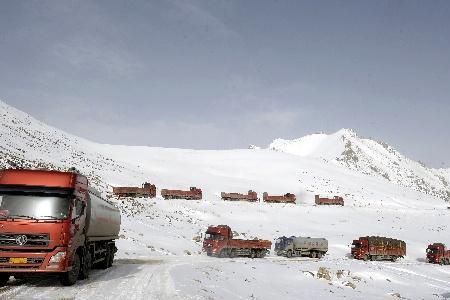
104 264
69 278
319 255
366 257
4 277
312 254
111 257
263 254
252 254
289 254
394 258
86 267
233 253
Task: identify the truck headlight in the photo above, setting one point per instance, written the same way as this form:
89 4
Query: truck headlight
57 258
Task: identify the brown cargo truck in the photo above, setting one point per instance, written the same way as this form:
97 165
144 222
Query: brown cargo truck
336 200
378 248
286 198
54 223
193 194
219 242
250 197
147 190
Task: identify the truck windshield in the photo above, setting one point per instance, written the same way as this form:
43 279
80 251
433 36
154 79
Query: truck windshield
34 206
356 245
213 236
432 250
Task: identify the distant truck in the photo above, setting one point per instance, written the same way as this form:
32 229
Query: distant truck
438 253
54 223
378 248
301 246
336 200
286 198
193 194
250 197
147 190
219 242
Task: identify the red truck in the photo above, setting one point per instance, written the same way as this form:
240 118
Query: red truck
286 198
147 190
378 248
250 197
193 194
219 242
54 223
437 253
336 200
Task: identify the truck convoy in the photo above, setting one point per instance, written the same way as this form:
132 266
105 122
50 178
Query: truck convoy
378 248
219 242
437 253
336 200
250 197
286 198
147 190
193 194
301 246
54 223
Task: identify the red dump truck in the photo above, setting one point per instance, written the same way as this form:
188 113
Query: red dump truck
336 200
54 223
147 190
286 198
437 253
193 194
219 242
250 197
378 248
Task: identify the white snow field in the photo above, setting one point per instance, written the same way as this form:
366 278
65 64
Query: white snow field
160 244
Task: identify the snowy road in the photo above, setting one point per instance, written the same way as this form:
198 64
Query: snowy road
200 277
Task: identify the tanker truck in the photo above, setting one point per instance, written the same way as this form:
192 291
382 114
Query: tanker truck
54 223
301 246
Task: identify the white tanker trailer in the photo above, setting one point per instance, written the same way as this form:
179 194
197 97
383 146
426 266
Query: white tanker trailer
301 246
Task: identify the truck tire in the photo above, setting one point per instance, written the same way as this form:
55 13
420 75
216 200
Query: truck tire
233 253
223 253
252 254
69 278
86 266
4 277
312 254
289 254
263 253
104 264
366 257
394 258
319 255
111 256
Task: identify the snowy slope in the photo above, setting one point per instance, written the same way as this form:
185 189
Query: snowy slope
159 249
369 157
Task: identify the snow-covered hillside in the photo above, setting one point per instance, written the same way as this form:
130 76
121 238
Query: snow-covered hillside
159 249
369 157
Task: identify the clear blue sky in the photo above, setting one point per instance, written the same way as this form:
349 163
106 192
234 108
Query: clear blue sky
225 74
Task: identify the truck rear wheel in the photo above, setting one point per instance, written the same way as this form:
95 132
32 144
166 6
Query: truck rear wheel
366 257
4 277
233 253
104 264
69 278
319 255
312 254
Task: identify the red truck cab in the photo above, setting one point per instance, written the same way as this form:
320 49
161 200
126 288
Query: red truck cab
219 242
438 254
360 248
45 223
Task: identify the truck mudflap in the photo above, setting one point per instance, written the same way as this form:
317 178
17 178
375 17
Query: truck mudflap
34 262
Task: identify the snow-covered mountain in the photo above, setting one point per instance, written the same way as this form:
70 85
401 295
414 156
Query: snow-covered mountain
159 249
369 157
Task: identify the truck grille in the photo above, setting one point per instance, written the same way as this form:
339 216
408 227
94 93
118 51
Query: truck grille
24 240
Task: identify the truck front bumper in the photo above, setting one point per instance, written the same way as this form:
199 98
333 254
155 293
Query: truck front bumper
32 262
